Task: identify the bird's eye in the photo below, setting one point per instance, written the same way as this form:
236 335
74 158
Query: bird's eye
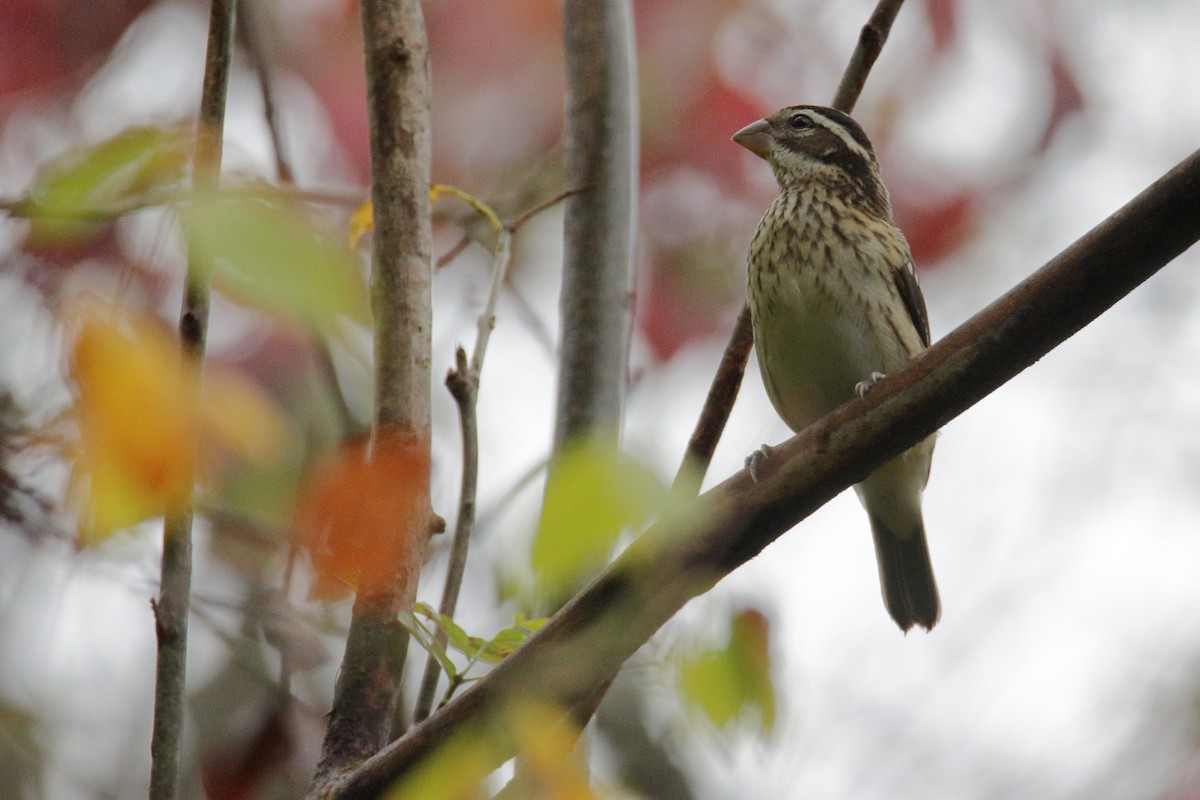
799 122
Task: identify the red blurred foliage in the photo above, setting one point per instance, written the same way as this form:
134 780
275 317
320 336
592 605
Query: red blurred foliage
935 230
1067 96
498 104
942 17
360 510
50 46
710 119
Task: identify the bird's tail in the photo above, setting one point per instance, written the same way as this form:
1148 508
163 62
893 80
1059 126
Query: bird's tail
906 575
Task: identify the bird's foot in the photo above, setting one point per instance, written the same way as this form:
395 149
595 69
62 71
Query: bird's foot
755 460
862 387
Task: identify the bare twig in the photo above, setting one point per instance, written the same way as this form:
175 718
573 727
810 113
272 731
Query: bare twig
397 66
870 45
545 205
717 406
29 208
174 598
252 34
685 555
454 252
728 380
463 383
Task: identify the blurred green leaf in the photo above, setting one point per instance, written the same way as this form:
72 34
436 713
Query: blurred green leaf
427 641
271 256
592 494
490 651
507 640
723 683
455 635
72 194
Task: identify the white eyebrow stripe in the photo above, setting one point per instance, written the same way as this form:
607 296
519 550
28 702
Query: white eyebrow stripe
839 130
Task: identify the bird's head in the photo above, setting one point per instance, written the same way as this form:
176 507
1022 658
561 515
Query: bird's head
814 144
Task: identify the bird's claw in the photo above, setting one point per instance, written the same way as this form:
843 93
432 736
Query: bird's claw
862 387
757 459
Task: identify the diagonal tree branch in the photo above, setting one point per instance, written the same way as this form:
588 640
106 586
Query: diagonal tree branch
174 598
728 379
682 557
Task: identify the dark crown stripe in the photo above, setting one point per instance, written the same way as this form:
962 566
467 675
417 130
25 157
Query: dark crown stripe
836 121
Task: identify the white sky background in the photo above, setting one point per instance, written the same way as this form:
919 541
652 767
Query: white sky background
1062 511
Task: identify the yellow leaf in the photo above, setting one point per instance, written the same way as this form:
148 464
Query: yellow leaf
137 431
546 738
438 189
141 429
361 222
240 417
454 771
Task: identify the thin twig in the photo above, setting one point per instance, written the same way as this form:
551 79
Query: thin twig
174 599
545 205
681 557
717 406
29 208
463 383
454 252
870 44
728 379
253 38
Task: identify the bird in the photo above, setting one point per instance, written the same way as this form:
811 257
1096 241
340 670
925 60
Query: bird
835 306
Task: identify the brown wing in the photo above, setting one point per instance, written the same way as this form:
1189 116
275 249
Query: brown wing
914 301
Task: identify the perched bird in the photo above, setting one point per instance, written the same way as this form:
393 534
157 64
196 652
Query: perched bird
835 306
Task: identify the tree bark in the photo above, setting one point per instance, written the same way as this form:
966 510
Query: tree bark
397 66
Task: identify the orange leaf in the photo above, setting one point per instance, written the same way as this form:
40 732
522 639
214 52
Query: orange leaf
362 512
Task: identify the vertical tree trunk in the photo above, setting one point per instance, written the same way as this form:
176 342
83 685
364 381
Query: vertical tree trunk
601 157
401 275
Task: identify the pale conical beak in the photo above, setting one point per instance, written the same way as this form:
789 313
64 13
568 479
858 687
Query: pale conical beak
756 137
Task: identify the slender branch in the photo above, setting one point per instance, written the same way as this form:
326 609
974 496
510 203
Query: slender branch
464 387
174 599
29 208
717 406
454 252
728 380
601 152
397 69
682 556
870 45
463 383
253 38
545 205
